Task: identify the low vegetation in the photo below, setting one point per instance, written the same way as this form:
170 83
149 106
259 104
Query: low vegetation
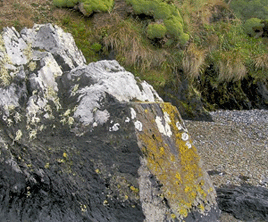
213 45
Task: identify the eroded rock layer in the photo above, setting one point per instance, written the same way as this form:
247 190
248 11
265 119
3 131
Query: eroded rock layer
90 142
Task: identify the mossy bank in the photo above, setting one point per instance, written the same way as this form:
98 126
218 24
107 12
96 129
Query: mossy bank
199 55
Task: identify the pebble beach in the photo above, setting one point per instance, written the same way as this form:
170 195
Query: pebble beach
233 147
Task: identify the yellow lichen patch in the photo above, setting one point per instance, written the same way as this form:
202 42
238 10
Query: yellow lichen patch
28 51
32 65
134 189
162 151
74 90
47 165
52 95
201 207
176 166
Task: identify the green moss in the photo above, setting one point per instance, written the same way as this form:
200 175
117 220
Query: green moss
252 26
156 31
97 5
175 29
88 6
65 3
164 11
96 47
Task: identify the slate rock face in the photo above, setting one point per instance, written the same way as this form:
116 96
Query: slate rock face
90 142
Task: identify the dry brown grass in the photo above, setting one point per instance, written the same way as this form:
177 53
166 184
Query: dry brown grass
195 13
126 40
231 66
194 61
22 13
261 61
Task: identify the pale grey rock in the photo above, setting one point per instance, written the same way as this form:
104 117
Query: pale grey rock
107 77
54 40
15 46
153 205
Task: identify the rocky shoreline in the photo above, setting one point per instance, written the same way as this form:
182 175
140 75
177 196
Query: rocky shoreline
234 151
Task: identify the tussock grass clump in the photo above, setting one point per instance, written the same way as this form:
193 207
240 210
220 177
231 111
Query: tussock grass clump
230 66
132 49
194 61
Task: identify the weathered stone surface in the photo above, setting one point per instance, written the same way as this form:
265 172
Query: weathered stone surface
247 203
90 142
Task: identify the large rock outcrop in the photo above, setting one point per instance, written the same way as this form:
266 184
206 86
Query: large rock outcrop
90 142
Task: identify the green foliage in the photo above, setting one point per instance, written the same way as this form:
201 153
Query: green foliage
89 6
65 3
96 47
164 11
156 31
252 25
246 9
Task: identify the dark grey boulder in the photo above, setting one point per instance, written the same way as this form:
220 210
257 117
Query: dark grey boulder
90 142
246 202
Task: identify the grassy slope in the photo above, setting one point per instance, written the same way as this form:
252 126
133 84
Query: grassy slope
218 56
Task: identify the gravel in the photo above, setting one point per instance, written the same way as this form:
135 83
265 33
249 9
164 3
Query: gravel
233 148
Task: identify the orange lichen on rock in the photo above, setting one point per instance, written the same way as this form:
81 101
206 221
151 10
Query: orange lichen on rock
173 159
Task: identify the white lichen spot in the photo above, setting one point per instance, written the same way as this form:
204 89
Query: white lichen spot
133 113
32 134
18 135
189 145
164 129
63 121
70 121
11 107
17 117
115 127
127 120
83 207
9 122
184 136
41 127
95 124
67 112
35 120
179 126
46 116
138 125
